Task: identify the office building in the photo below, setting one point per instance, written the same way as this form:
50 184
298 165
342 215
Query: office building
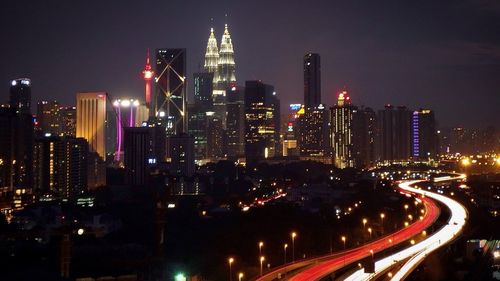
215 137
91 119
20 95
203 90
198 129
170 98
312 80
364 128
262 122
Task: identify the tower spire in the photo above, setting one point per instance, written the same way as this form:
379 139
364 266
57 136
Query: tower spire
226 64
147 74
212 55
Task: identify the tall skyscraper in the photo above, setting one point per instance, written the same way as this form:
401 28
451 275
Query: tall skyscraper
364 130
203 90
90 120
394 129
215 137
48 117
148 74
342 115
235 124
424 135
226 65
60 166
312 80
262 122
170 101
198 129
20 95
212 58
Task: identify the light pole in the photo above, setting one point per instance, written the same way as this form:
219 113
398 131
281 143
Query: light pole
406 207
370 231
240 276
364 223
293 246
261 244
382 216
284 248
230 262
343 240
371 252
262 259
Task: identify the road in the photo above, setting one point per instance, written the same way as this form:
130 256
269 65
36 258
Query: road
415 254
322 266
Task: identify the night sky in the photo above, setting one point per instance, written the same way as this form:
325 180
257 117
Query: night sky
440 54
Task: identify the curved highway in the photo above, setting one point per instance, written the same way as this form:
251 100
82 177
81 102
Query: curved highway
323 266
415 254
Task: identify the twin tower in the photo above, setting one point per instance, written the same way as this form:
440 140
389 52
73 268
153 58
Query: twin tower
220 62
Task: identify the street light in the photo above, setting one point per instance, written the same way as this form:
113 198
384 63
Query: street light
293 246
230 261
406 207
371 252
240 276
343 240
370 231
262 259
284 248
364 223
382 216
261 244
180 277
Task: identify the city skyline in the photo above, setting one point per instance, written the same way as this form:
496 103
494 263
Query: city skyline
402 59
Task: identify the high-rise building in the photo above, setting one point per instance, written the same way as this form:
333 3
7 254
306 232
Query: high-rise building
60 166
198 129
235 124
68 121
170 100
394 133
342 115
312 80
20 95
148 74
262 122
364 128
290 129
90 120
203 90
16 149
181 155
48 117
424 135
212 58
226 65
144 147
313 131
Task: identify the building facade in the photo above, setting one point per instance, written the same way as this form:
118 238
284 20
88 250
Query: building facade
91 119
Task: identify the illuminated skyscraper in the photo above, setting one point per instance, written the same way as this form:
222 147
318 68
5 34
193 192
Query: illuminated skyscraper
148 74
226 64
342 116
262 122
235 124
212 57
90 120
203 90
170 100
312 80
20 95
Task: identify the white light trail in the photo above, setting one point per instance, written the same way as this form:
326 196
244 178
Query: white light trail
419 251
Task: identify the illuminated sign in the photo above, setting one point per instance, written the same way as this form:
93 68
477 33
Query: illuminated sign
295 106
